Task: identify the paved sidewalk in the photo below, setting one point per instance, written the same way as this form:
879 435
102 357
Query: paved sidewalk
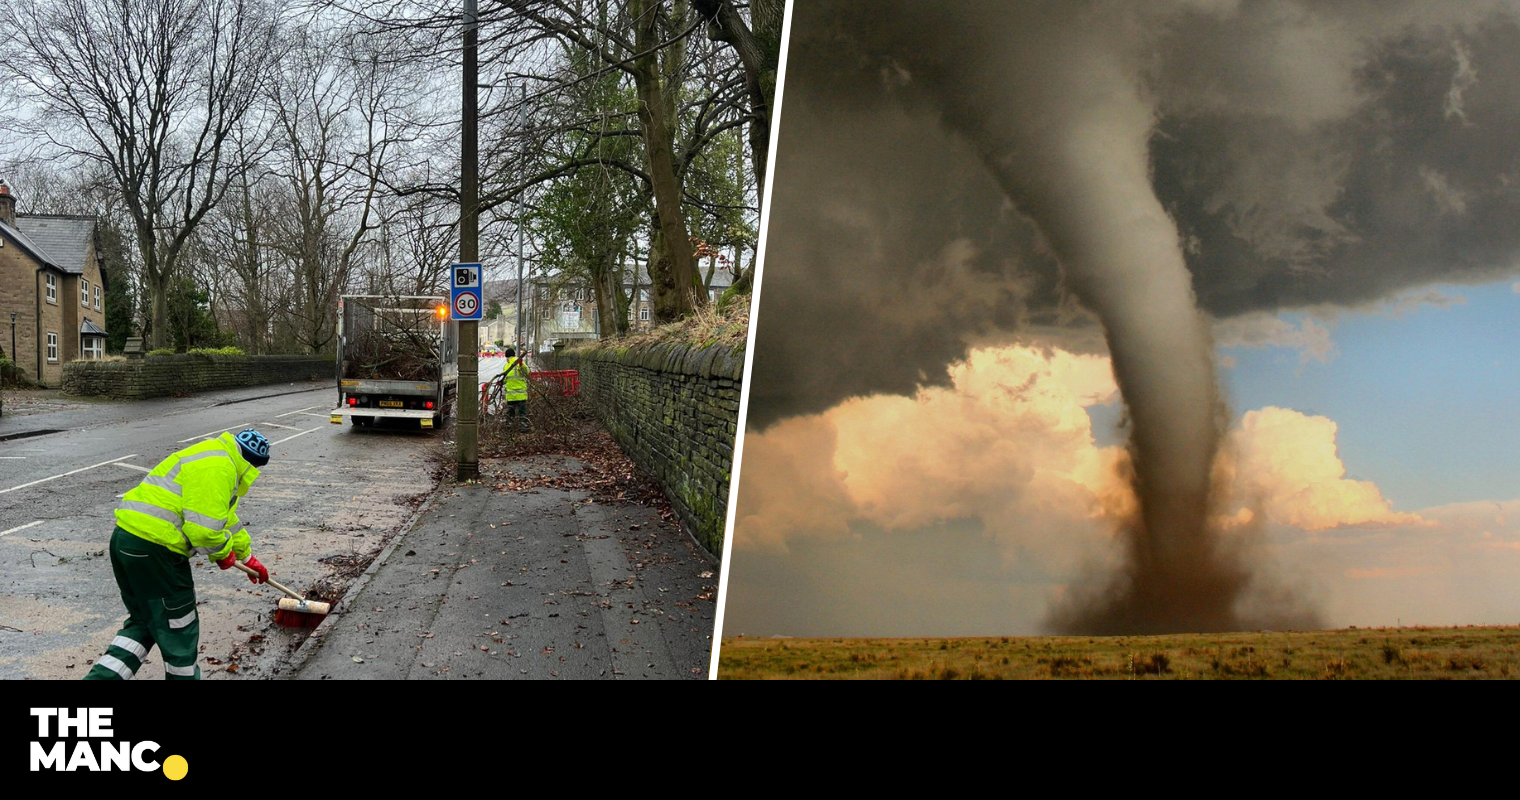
542 583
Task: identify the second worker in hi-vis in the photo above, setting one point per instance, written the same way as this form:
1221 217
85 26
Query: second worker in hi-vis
186 507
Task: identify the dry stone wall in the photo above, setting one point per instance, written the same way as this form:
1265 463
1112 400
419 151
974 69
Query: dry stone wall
674 409
182 374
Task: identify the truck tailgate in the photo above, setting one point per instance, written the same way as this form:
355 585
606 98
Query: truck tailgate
364 386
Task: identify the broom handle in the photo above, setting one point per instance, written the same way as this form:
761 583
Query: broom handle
253 573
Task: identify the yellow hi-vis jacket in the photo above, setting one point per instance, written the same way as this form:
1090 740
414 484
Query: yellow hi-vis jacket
514 387
188 502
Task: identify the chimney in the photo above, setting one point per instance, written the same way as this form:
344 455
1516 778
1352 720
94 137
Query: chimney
7 205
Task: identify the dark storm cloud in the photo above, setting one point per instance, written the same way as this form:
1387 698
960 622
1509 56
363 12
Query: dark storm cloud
890 245
1417 178
1309 153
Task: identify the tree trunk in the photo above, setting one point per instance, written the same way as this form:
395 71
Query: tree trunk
158 287
606 308
673 277
611 305
662 287
254 317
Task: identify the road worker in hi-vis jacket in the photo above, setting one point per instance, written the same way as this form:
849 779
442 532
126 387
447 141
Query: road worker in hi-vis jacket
186 507
514 387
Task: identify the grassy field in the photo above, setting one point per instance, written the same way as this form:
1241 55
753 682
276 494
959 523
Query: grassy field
1467 653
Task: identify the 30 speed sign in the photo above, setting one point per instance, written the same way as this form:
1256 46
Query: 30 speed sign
464 292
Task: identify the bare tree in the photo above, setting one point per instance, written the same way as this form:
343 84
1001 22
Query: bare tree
336 113
151 89
757 42
418 241
685 94
253 276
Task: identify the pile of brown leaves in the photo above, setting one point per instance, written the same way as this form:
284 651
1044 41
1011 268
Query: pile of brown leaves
347 566
608 474
559 426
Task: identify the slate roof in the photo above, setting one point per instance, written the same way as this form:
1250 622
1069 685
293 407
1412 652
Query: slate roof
64 241
89 328
721 279
25 243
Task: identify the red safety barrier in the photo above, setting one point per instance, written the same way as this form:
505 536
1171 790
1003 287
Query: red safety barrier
567 381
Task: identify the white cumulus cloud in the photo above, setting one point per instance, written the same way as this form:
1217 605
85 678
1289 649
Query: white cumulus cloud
1286 463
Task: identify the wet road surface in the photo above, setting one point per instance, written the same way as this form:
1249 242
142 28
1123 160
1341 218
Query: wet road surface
330 497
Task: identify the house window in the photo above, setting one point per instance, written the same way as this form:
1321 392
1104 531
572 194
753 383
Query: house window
547 313
644 295
52 288
84 292
644 314
97 297
94 347
52 348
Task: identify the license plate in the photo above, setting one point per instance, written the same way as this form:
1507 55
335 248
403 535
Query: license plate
390 403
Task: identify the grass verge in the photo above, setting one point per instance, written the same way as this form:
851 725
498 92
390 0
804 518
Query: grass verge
1465 653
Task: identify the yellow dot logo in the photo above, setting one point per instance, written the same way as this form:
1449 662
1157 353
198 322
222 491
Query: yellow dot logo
175 767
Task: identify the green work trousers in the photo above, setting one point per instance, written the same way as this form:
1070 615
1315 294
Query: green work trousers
159 593
518 410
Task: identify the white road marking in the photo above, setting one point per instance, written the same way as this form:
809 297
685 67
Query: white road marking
278 425
297 411
213 433
302 433
131 466
66 474
13 458
309 414
22 527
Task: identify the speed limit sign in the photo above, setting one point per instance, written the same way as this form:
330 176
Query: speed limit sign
466 304
465 292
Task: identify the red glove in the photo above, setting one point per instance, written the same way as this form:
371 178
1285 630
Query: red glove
252 563
263 576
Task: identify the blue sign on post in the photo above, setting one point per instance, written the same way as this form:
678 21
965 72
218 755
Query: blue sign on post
464 292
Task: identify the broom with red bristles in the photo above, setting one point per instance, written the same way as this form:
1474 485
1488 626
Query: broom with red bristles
294 611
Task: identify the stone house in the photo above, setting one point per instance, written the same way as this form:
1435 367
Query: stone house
562 312
52 291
